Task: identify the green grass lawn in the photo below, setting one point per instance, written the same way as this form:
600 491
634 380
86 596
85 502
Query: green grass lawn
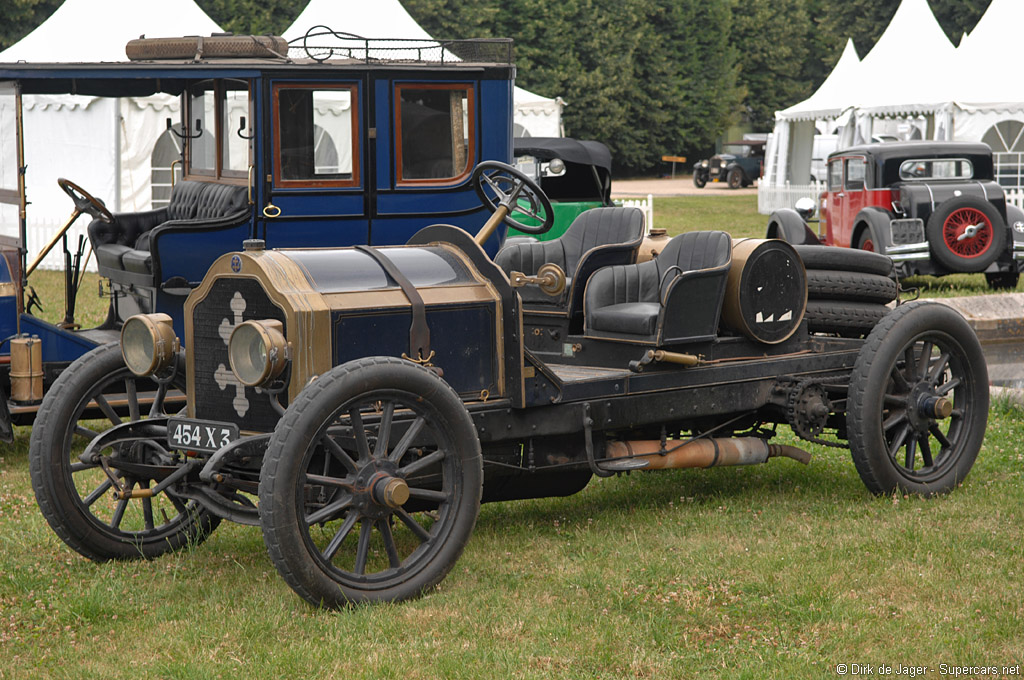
773 571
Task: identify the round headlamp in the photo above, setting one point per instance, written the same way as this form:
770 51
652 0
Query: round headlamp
556 166
258 352
704 164
148 343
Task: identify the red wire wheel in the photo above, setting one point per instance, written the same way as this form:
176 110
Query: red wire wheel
966 234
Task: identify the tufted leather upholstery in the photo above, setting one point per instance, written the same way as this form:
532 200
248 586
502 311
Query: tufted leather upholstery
597 238
677 297
125 244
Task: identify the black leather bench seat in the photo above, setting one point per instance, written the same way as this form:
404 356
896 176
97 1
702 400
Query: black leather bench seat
123 247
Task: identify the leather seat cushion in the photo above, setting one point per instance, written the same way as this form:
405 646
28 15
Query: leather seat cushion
137 261
109 255
636 318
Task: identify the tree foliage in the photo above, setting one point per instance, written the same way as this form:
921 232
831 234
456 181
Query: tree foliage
647 77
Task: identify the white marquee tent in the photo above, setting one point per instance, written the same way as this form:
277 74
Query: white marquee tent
110 139
915 84
534 116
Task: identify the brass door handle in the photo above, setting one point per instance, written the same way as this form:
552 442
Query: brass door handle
271 211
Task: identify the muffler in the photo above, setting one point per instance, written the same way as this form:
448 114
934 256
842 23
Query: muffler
703 453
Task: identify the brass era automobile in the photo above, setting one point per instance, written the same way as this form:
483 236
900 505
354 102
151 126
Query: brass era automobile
358 404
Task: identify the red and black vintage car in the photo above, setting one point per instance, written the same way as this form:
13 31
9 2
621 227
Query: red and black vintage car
933 207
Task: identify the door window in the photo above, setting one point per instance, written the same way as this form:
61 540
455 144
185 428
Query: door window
217 129
835 175
856 173
435 132
316 135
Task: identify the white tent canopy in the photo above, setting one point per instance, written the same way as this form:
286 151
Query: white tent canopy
534 116
914 82
105 145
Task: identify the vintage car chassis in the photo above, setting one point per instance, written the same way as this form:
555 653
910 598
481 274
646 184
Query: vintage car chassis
368 482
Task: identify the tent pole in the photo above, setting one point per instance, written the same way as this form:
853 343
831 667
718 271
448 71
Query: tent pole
117 155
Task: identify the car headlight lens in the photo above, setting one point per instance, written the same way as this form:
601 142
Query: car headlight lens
148 343
703 164
258 352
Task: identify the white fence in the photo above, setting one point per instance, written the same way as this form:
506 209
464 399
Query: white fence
647 205
772 198
41 231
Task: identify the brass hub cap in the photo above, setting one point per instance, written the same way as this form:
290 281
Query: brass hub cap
390 491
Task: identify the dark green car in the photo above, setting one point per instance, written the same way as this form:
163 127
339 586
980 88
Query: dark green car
575 174
738 164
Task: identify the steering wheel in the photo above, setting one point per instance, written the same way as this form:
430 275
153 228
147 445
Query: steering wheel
85 201
511 188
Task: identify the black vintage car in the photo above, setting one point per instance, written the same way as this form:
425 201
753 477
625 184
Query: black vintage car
739 164
934 207
358 404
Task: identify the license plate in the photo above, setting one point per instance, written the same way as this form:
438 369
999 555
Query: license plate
199 435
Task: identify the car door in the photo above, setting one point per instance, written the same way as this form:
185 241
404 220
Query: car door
319 171
437 136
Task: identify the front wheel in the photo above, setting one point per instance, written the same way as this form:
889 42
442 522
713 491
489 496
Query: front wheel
699 179
78 499
918 401
371 484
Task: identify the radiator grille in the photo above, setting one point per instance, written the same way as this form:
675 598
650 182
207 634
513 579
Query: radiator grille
218 394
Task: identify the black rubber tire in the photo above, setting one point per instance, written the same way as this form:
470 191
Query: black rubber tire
883 410
844 259
943 222
57 474
735 178
843 318
700 180
1002 280
297 545
826 284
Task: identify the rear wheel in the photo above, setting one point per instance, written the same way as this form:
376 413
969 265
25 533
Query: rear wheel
77 498
735 178
918 402
371 484
865 242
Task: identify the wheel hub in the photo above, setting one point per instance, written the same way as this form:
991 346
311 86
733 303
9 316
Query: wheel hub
925 407
378 491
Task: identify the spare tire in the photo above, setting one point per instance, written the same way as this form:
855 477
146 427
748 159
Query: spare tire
844 259
845 318
824 284
966 234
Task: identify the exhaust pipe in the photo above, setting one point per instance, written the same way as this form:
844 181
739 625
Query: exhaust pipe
704 453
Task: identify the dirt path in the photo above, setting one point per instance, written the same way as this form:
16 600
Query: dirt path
682 185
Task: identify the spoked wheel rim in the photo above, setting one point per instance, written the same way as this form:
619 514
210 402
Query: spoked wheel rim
380 490
968 232
134 465
926 410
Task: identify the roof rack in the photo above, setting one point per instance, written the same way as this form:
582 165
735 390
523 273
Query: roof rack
321 43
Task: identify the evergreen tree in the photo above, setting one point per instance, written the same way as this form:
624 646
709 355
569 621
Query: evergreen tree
20 17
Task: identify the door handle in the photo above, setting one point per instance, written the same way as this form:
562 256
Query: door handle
271 211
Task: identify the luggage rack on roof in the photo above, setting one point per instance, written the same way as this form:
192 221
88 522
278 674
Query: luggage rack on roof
322 43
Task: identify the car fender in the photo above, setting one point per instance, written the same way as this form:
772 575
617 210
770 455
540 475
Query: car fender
786 224
876 221
1015 221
